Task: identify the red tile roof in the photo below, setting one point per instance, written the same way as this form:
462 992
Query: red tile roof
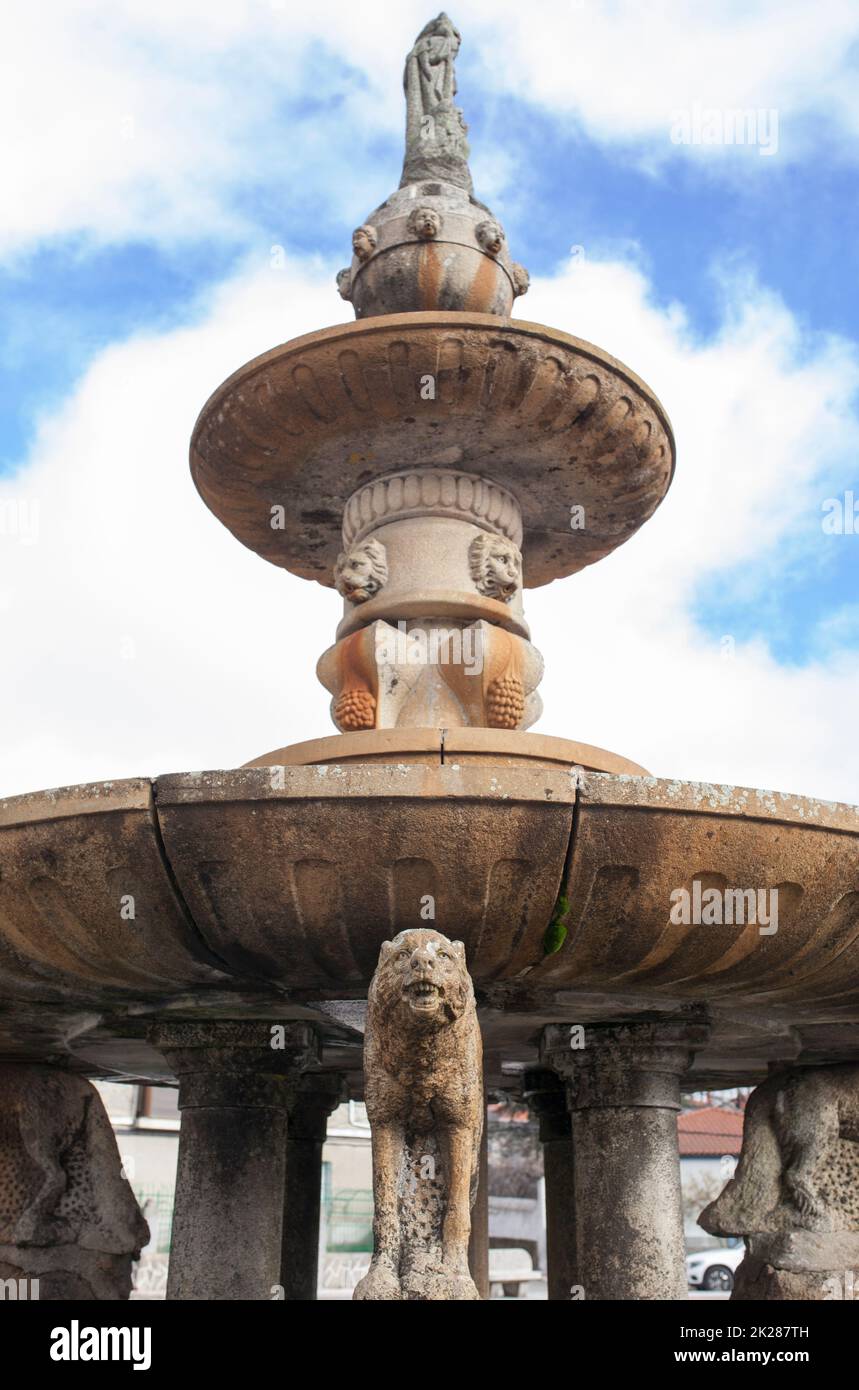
710 1132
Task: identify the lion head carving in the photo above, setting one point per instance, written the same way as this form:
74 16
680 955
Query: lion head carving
496 566
422 977
362 571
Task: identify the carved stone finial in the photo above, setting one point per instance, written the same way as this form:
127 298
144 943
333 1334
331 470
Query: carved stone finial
423 1070
436 144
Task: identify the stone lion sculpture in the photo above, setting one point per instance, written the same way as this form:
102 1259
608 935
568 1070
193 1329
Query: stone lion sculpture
798 1165
68 1217
496 566
423 1076
362 571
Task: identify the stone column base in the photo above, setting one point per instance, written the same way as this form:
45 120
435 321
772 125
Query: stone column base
807 1266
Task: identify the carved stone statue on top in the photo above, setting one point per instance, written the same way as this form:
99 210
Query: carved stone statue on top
436 144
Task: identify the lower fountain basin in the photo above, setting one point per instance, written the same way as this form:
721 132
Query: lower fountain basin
281 882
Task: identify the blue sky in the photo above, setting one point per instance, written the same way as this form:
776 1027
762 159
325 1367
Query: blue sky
178 147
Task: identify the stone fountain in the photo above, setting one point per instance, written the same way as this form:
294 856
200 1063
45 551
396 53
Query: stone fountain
219 930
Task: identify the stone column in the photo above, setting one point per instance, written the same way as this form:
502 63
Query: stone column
317 1097
236 1081
478 1241
546 1096
623 1090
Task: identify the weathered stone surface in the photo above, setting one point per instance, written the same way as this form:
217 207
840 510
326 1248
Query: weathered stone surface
298 875
546 1095
87 904
425 674
638 840
799 1166
303 426
623 1090
501 748
423 1078
236 1083
68 1217
795 1194
318 1095
432 244
758 1282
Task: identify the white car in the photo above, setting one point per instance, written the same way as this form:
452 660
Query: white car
714 1269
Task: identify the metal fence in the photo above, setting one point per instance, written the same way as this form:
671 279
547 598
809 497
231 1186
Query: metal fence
349 1218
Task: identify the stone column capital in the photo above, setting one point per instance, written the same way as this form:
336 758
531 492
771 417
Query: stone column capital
317 1097
247 1065
546 1096
624 1064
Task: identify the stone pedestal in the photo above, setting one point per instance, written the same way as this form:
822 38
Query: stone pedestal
623 1090
799 1265
546 1095
236 1081
307 1118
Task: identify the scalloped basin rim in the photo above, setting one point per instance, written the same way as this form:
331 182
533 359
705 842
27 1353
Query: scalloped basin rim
410 780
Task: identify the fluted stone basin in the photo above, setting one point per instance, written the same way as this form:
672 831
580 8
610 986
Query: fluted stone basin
270 890
554 419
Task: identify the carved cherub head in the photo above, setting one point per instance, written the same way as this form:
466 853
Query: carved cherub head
521 278
362 571
344 283
424 223
496 566
490 235
364 241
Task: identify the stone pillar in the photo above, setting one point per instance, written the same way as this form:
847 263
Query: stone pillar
546 1096
317 1097
236 1081
623 1090
478 1241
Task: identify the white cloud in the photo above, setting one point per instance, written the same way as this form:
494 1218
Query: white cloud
145 118
139 637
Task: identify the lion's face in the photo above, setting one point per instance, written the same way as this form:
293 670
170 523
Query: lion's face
496 566
361 573
423 973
